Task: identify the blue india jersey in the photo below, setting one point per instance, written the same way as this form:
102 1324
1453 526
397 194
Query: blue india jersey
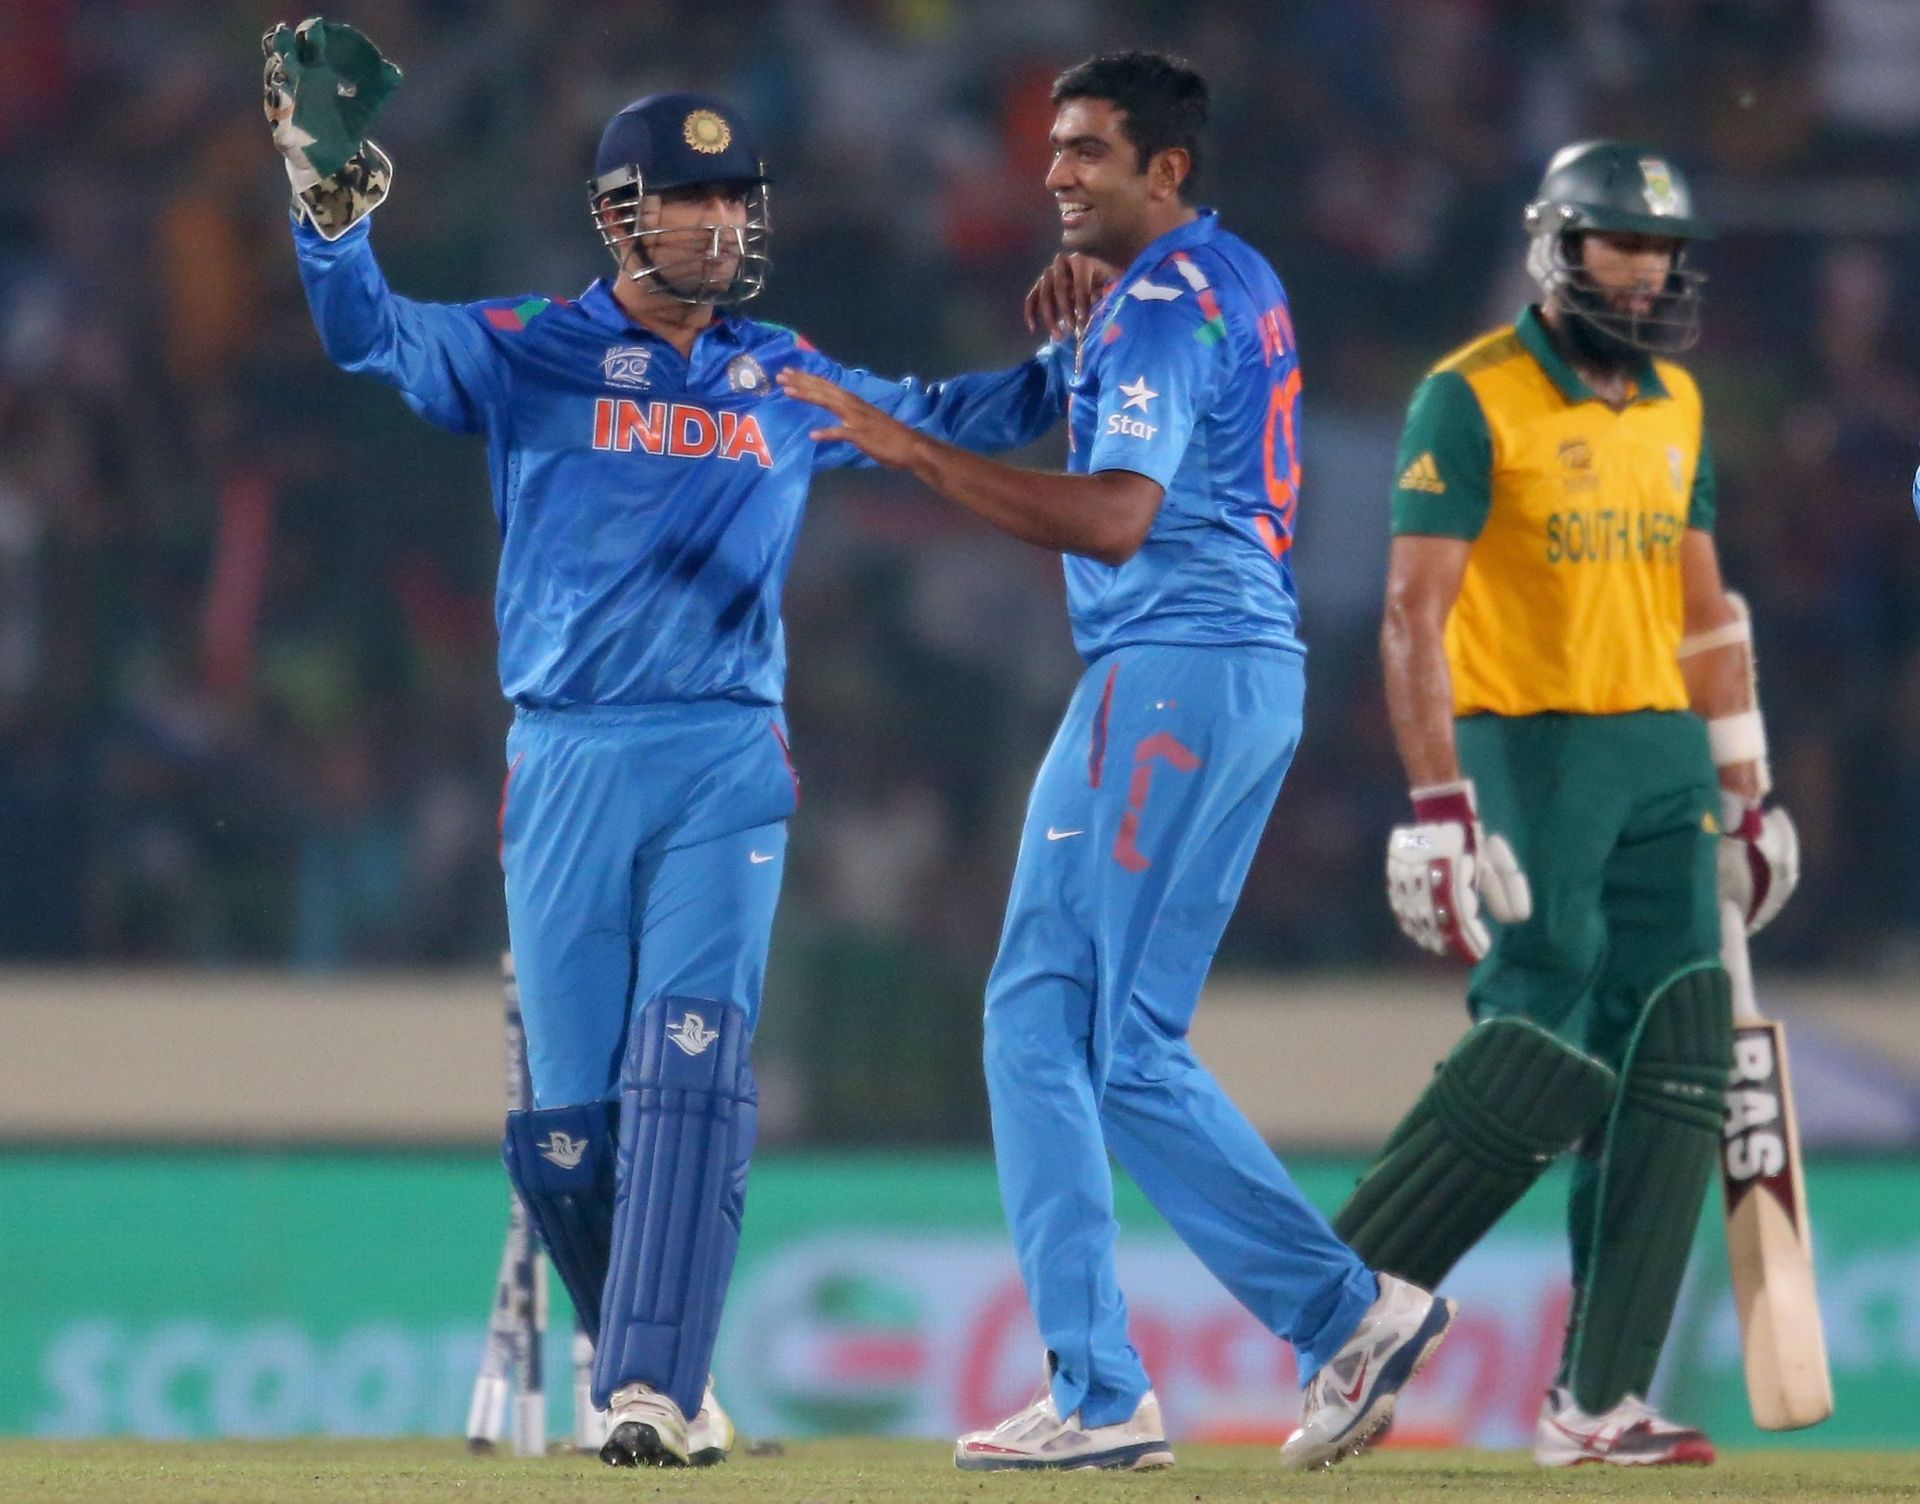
648 503
1188 374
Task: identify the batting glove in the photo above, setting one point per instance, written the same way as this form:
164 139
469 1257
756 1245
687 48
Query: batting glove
1441 868
1759 858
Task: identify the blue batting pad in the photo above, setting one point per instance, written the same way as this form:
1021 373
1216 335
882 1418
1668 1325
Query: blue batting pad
561 1161
687 1114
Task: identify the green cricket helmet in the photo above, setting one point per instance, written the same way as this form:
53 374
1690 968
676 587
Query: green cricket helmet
1614 186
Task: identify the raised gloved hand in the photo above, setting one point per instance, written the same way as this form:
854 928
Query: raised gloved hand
1441 868
1759 858
324 83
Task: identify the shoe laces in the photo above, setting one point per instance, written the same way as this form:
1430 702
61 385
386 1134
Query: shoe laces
1038 1411
646 1396
1634 1410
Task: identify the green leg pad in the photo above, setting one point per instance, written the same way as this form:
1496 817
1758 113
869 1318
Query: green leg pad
1507 1102
1644 1203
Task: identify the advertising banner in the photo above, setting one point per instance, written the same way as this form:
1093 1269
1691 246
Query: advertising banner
251 1294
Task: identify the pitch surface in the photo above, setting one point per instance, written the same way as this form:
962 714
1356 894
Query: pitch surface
882 1472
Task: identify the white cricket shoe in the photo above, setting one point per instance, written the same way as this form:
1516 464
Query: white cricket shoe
644 1428
1631 1434
710 1432
1351 1399
1037 1438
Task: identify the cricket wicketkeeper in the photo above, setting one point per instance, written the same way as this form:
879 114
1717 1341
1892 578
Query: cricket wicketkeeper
1569 687
649 479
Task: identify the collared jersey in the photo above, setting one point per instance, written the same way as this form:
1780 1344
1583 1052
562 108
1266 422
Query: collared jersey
1572 595
648 503
1189 375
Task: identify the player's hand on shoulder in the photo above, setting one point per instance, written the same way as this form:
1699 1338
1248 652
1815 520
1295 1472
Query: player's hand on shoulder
1759 858
1062 297
322 86
1442 868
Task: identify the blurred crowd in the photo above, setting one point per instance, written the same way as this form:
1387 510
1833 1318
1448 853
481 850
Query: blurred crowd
247 703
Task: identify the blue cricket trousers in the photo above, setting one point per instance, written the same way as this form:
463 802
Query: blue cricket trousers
1141 828
643 849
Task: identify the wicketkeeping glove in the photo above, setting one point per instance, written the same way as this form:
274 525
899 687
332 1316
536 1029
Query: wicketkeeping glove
1443 866
324 84
1759 858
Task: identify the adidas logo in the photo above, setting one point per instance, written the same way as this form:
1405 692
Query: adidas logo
1423 475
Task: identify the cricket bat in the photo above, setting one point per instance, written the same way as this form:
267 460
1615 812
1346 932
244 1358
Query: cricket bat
1769 1236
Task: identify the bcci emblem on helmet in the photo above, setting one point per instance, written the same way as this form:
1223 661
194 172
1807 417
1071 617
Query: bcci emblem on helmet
707 131
626 365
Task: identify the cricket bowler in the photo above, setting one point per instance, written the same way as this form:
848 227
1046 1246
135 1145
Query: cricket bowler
1567 682
649 481
1176 517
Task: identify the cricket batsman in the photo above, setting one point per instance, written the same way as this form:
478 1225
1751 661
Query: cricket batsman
1568 684
649 481
1176 517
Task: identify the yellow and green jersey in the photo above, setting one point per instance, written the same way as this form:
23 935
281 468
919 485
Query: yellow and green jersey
1571 600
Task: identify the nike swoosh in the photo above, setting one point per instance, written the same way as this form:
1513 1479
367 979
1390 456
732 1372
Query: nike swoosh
1352 1396
1061 835
757 857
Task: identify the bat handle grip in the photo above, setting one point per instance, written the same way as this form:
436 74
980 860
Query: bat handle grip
1733 955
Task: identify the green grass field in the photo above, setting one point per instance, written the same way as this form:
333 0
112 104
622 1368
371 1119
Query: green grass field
855 1472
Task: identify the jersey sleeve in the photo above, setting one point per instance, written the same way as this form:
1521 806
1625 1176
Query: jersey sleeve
1703 507
989 411
1445 464
1158 375
439 356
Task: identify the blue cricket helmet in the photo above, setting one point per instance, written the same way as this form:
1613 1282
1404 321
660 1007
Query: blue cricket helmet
673 141
679 140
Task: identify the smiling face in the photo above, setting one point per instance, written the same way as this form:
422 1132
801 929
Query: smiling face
1111 203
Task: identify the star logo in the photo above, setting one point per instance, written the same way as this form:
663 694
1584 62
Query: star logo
1137 393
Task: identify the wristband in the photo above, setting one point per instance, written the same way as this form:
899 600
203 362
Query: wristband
1737 738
